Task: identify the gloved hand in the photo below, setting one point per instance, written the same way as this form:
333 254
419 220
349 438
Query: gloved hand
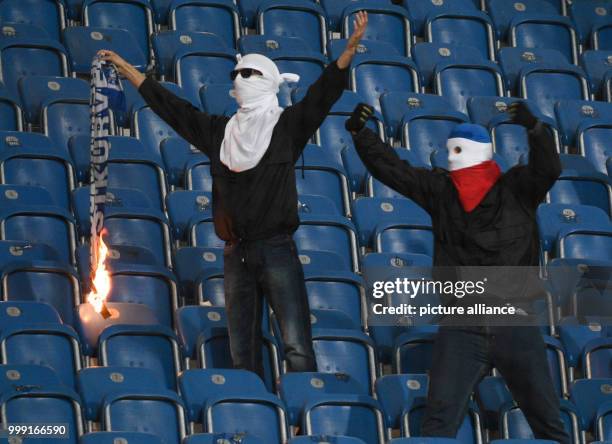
520 114
358 119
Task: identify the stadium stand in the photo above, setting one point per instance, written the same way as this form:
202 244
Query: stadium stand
165 376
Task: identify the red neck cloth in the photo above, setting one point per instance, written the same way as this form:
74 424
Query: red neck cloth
473 183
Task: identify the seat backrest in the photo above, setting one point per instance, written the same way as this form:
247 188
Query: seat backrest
582 188
597 64
502 12
545 32
419 10
586 15
114 437
586 242
219 17
49 15
570 114
594 143
397 392
513 60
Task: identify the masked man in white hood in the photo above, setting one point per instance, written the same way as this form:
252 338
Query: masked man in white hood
480 217
252 157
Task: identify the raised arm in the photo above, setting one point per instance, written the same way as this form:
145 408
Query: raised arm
534 180
193 125
307 115
418 184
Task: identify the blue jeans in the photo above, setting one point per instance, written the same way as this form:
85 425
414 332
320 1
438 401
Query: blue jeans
462 356
270 268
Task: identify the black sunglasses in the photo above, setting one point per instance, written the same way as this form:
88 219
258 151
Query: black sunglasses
245 73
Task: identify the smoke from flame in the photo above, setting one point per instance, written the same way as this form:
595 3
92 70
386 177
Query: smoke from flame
101 284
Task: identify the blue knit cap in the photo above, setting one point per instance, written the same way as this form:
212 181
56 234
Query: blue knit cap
470 131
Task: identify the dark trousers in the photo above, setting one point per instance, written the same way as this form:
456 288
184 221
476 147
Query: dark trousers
270 268
463 356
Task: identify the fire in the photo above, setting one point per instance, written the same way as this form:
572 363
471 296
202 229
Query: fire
101 284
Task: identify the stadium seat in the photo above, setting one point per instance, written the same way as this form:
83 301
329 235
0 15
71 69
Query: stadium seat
516 427
49 14
589 395
588 241
194 69
582 187
396 393
334 8
28 375
328 233
204 336
426 440
17 313
134 16
473 28
294 18
544 85
214 438
23 30
413 235
420 10
372 74
50 344
183 208
513 60
192 266
503 13
10 113
314 439
386 23
57 404
593 138
148 126
21 57
544 31
597 64
346 351
457 82
596 358
83 42
32 159
219 17
166 44
114 437
197 385
588 15
176 153
130 219
216 99
600 35
552 218
153 347
319 173
572 115
291 55
413 351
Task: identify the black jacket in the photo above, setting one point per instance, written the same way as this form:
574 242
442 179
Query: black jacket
261 202
501 230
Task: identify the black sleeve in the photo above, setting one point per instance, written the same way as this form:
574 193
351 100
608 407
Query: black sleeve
533 181
306 116
418 184
195 126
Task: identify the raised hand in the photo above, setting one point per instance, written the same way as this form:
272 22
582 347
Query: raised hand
358 119
520 114
359 24
124 68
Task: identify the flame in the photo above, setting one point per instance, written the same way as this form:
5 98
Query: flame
102 281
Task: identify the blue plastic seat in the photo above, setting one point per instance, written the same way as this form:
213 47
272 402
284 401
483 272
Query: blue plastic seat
593 142
194 69
589 395
291 54
194 267
16 313
397 393
426 440
373 75
544 85
153 347
166 44
197 385
346 351
21 376
600 35
582 187
386 23
49 14
23 30
10 112
503 12
597 64
134 16
204 336
219 17
216 100
412 351
420 10
130 219
184 206
294 18
574 114
58 404
596 358
328 233
457 82
413 235
83 42
176 153
588 241
147 126
588 15
113 437
473 28
22 56
545 31
335 8
513 60
313 439
51 344
214 438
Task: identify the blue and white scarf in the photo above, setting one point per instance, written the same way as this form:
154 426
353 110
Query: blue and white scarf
106 94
